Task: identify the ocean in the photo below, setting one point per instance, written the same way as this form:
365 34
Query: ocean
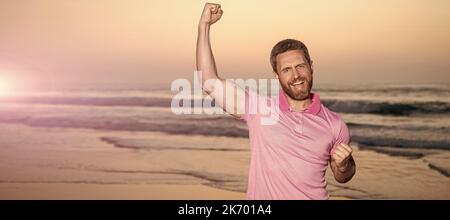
128 134
392 115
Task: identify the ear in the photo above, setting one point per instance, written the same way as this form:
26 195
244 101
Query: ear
312 67
276 74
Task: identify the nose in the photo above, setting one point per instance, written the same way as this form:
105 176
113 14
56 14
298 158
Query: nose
297 73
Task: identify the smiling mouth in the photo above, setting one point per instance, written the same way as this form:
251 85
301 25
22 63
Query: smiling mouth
298 83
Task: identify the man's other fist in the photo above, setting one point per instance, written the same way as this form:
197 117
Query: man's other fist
341 155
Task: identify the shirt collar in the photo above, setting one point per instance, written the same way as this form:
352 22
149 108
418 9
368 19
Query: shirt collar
314 108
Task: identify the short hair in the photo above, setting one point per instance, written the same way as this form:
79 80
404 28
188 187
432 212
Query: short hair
287 45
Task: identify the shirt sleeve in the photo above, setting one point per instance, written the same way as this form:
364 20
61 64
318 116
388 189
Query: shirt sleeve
342 134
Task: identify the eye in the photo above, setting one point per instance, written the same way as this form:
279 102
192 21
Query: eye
300 66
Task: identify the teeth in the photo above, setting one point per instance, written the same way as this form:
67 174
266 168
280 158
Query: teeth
298 83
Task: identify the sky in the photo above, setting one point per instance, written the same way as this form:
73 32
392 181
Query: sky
153 42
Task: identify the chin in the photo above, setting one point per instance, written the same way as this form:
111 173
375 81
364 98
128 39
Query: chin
302 97
299 96
296 94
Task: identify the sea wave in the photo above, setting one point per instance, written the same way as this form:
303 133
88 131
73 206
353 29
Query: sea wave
368 134
343 106
385 108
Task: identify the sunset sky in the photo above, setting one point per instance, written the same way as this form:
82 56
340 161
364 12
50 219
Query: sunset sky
143 41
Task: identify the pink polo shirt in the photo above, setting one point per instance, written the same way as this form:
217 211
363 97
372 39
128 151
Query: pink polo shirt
289 158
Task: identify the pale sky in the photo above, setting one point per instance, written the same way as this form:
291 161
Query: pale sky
143 41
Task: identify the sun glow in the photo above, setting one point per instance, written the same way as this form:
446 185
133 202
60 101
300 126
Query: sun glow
5 87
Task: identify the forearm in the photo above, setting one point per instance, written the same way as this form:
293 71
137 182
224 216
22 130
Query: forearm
345 173
206 65
205 59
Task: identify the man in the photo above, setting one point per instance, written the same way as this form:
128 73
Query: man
289 158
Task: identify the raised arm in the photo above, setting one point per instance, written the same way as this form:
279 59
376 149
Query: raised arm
206 65
205 59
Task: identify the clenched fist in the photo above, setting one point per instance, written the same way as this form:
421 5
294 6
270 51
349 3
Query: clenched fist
211 14
341 156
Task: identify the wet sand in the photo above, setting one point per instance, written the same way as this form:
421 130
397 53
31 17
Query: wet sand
54 163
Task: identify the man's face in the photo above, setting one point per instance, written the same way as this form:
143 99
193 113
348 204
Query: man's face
295 74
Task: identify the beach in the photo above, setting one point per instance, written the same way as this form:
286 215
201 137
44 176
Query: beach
98 145
82 171
73 191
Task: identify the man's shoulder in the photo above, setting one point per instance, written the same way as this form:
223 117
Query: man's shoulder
329 115
336 123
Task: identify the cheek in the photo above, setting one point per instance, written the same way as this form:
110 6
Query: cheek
305 71
284 79
307 74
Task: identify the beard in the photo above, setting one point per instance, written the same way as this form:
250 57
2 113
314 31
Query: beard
299 92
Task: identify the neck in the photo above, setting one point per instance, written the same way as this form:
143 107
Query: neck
299 105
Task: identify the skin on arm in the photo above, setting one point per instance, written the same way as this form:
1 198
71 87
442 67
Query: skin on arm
342 163
212 84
